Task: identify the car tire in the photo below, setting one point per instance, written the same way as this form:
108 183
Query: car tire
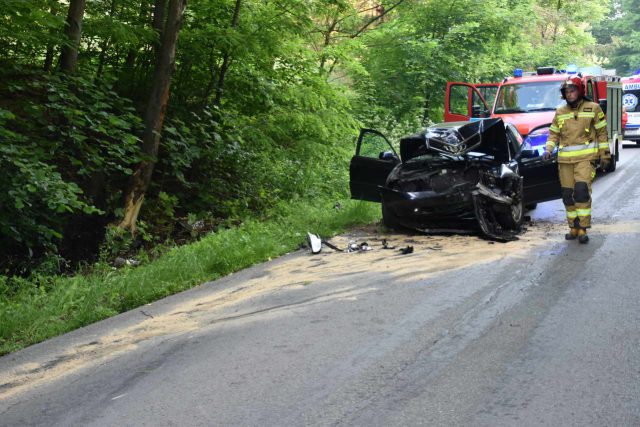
511 218
389 219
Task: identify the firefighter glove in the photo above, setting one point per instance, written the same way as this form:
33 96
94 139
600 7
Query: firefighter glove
604 163
546 156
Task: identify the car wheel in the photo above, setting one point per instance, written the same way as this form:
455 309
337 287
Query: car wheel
512 217
388 218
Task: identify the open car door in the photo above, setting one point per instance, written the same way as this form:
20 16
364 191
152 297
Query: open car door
374 159
541 179
464 101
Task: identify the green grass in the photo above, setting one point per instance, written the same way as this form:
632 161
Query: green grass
34 314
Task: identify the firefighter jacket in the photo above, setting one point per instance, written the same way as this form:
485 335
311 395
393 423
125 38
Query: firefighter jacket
580 133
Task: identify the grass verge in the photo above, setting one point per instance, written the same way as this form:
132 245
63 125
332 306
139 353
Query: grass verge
36 313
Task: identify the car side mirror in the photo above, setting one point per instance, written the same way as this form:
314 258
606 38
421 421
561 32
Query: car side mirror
388 155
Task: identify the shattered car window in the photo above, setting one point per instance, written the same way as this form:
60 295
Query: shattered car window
373 145
486 137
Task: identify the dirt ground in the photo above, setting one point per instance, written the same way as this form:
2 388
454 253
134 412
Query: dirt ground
431 254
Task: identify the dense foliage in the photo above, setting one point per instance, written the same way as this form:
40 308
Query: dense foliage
264 103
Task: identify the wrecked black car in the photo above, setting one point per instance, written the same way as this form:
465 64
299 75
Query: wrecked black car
454 177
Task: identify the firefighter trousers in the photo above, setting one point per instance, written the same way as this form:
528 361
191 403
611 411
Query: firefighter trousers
575 180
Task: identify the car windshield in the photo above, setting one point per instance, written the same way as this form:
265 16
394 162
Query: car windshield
528 98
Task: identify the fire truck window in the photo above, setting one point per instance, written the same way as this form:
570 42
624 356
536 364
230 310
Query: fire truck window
459 100
479 107
590 91
488 93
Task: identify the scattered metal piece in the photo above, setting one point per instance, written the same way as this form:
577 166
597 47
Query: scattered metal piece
407 250
385 245
332 246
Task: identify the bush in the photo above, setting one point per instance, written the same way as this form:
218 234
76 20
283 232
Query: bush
67 148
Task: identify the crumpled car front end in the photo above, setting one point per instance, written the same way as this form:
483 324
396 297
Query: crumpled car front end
445 188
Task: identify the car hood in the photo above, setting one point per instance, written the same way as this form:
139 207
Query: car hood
524 122
486 136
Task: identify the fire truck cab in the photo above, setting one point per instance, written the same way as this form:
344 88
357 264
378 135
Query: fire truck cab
529 100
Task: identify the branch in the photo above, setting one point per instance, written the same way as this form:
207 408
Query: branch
376 18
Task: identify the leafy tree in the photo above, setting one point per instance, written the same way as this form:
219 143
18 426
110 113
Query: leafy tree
620 35
155 111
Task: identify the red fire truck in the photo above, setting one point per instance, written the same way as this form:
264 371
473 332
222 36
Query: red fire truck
529 100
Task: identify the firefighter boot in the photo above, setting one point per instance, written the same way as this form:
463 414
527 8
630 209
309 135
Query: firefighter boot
582 236
572 234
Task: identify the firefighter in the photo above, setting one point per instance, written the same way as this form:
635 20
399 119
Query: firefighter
579 129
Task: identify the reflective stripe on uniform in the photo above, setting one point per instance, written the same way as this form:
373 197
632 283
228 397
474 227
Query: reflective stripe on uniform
554 129
565 116
578 153
583 212
603 145
578 150
587 115
601 115
572 214
600 125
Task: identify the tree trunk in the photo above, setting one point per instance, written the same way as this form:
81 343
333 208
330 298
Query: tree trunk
103 53
51 51
154 114
73 30
159 10
48 59
327 42
226 61
425 107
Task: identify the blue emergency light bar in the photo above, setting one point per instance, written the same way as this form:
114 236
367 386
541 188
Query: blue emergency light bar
517 72
572 69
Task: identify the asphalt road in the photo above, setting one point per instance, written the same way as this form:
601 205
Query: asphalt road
543 333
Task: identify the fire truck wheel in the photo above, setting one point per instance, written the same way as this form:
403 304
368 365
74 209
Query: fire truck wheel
613 162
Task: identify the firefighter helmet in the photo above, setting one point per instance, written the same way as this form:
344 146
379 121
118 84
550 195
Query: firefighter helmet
574 81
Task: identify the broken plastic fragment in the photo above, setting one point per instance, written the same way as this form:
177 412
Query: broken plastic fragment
315 243
364 246
353 246
407 250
